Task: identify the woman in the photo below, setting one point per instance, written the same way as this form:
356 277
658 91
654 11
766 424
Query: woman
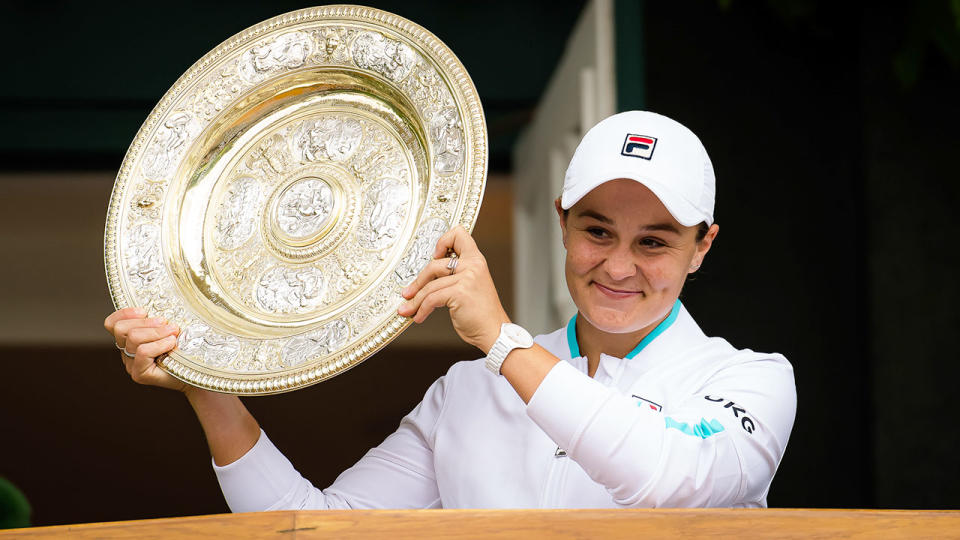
629 405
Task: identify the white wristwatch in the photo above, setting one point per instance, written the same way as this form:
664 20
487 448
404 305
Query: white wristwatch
511 337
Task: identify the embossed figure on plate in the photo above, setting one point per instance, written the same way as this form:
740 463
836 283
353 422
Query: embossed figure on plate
379 156
288 50
449 138
143 254
353 272
162 153
270 156
421 252
330 137
237 218
331 39
290 290
305 207
315 344
145 203
390 58
203 342
384 212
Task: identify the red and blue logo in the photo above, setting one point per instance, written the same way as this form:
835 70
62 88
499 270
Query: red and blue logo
647 404
640 146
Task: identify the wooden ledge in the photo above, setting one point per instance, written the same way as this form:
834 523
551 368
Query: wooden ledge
466 524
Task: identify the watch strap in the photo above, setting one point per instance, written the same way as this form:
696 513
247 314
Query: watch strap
504 344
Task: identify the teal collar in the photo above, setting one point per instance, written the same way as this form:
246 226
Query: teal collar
664 324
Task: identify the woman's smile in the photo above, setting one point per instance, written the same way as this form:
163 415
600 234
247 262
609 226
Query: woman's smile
618 292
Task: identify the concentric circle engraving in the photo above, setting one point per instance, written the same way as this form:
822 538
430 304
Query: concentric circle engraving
310 212
286 188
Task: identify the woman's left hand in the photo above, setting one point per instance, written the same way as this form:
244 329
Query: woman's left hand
467 291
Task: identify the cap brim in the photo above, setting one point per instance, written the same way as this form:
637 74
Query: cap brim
685 213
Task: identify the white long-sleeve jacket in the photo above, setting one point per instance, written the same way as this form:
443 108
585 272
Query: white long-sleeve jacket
683 420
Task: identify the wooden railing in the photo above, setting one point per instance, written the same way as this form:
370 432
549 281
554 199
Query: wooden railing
465 524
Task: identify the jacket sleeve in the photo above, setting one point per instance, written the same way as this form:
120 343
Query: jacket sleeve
396 474
720 446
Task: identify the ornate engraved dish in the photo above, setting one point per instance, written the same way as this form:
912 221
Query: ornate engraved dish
287 187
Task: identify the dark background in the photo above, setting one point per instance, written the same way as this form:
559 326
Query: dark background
833 132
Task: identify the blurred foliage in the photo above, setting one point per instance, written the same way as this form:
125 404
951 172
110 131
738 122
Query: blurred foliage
928 27
14 508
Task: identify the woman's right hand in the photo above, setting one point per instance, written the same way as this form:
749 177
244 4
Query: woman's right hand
230 429
145 339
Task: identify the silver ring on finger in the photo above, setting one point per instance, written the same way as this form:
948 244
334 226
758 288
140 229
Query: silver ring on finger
127 353
452 265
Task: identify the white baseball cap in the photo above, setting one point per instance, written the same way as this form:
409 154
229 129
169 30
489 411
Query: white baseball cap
652 149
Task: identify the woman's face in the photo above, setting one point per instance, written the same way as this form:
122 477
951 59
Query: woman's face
627 257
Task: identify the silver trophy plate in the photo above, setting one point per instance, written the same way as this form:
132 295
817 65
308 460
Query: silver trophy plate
286 188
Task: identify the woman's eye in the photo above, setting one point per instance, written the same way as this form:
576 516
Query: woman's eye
597 232
651 243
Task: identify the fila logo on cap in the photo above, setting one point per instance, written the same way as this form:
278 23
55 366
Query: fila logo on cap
640 146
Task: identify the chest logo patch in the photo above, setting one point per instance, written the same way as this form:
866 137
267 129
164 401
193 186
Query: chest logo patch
647 404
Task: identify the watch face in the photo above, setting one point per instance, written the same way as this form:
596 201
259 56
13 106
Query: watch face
519 335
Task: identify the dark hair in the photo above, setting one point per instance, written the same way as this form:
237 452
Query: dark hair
702 229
